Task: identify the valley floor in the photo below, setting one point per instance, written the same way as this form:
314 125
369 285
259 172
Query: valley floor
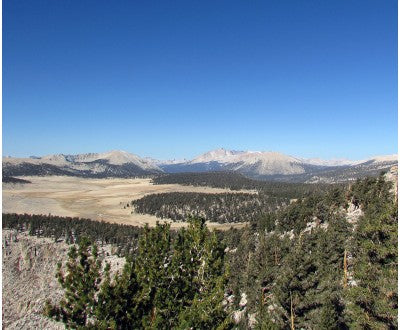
96 199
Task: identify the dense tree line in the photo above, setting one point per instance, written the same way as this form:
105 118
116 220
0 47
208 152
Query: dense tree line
10 179
237 181
337 276
222 207
288 277
244 207
315 208
71 230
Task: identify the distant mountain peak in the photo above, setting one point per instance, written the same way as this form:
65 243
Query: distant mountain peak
116 163
265 163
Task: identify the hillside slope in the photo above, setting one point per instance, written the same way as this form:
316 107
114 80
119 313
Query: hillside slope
29 268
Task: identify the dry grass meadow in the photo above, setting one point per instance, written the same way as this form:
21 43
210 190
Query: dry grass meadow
97 199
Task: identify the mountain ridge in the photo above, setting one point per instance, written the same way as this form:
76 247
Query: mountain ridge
265 165
272 165
113 163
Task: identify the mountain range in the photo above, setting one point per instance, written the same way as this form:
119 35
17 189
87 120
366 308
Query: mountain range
255 164
276 166
97 165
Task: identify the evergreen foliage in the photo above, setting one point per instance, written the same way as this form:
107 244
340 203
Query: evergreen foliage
373 300
220 207
268 201
237 181
123 237
170 283
80 282
334 275
303 266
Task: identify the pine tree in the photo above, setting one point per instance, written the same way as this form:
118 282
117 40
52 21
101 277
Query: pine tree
151 269
329 253
80 280
118 304
209 278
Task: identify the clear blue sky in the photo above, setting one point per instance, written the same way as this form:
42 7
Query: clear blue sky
172 79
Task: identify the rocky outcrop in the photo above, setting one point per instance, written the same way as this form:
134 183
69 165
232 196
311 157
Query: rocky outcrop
392 175
29 268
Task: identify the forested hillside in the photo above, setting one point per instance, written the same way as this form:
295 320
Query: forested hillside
319 270
324 262
97 169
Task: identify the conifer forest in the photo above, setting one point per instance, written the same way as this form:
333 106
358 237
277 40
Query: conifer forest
307 264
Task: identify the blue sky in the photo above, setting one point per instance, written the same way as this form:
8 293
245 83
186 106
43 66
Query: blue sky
173 79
